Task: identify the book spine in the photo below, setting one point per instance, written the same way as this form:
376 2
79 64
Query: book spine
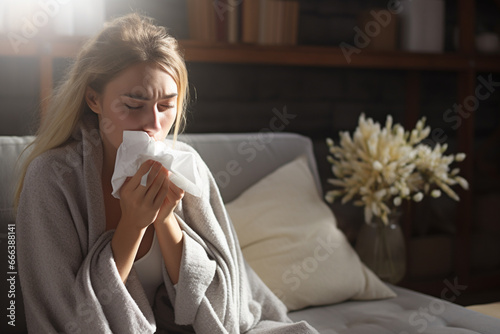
294 24
250 17
263 21
233 20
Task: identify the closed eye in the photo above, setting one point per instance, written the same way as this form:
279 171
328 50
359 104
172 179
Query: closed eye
165 107
133 108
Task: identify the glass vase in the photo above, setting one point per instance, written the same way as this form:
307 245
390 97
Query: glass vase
381 247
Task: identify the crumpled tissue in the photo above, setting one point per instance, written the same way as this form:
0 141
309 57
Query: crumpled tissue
138 147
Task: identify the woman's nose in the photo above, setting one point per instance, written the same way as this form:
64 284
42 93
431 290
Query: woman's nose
152 121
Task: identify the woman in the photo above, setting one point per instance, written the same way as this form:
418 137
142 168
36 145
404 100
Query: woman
155 260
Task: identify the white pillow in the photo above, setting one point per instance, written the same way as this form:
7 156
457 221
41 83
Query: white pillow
290 238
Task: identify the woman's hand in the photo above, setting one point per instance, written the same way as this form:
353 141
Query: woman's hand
174 196
169 232
141 205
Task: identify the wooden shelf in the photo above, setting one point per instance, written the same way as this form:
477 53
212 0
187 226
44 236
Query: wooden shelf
46 48
487 63
302 55
320 56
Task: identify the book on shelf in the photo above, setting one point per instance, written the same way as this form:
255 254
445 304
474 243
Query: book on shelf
250 21
233 20
270 22
214 20
278 22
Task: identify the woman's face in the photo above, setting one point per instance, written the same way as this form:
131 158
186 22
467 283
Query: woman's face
142 97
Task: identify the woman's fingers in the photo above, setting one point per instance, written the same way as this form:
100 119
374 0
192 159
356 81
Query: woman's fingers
146 166
154 190
177 193
152 174
163 192
159 193
170 195
174 195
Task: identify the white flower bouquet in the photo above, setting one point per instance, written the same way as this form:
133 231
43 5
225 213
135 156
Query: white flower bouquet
379 167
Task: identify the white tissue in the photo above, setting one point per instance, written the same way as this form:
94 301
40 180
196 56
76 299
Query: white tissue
138 147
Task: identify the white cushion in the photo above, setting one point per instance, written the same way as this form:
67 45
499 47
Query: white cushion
290 238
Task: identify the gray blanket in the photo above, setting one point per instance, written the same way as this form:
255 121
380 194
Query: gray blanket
69 280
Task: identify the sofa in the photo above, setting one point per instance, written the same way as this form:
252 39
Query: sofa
238 162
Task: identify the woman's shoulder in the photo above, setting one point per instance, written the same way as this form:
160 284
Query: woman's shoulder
53 163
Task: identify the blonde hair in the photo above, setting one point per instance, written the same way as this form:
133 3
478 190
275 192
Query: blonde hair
123 42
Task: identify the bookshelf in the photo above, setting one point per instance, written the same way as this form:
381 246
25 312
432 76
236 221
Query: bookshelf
334 57
323 56
319 56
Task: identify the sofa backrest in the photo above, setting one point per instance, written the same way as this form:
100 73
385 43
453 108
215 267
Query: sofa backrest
237 161
10 149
